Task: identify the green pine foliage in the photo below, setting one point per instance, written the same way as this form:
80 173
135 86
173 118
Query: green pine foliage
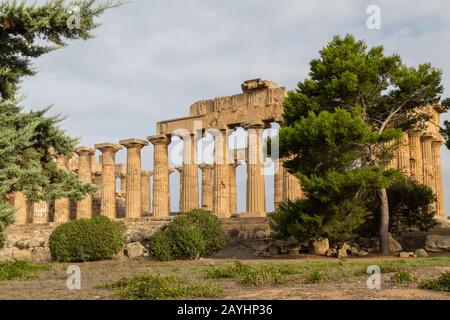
29 140
342 126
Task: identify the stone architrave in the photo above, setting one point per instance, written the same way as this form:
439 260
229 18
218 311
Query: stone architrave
108 182
161 204
62 205
134 191
256 202
145 184
84 207
207 186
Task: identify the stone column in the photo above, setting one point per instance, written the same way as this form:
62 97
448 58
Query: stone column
161 205
233 195
84 207
207 186
291 187
40 212
145 184
221 189
256 203
436 149
181 200
134 191
403 156
108 183
62 205
278 183
415 152
427 160
190 174
20 203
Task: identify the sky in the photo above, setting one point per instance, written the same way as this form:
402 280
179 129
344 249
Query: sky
151 59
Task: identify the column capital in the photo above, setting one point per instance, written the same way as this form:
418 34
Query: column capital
108 146
133 143
179 168
427 136
206 166
146 174
172 170
85 151
159 139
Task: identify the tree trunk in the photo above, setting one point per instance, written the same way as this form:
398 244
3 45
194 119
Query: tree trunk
384 221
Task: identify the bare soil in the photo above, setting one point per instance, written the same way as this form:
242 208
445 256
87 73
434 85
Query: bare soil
52 284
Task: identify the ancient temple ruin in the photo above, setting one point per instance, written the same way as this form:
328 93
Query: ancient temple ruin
259 105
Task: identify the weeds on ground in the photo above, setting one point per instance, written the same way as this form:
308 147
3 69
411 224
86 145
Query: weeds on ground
403 277
440 284
22 270
157 287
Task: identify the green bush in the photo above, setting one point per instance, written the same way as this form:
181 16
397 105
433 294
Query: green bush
87 240
440 284
149 287
197 233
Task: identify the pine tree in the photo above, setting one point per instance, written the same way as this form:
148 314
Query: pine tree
350 83
29 141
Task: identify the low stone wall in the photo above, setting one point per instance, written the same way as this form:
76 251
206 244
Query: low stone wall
30 241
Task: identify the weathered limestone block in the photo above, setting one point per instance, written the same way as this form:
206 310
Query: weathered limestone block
437 243
319 246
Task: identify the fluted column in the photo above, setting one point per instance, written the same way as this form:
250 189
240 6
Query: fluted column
256 203
233 195
20 204
403 156
181 200
291 187
436 150
145 185
207 186
278 183
84 207
161 205
221 188
40 212
190 173
427 160
415 152
108 182
134 191
62 205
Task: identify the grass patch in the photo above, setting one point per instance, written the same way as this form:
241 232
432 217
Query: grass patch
440 284
251 275
316 277
22 270
157 287
403 277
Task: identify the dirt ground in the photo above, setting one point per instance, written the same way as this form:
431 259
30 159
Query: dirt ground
52 284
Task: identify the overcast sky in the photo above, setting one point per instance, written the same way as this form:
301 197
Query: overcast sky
151 59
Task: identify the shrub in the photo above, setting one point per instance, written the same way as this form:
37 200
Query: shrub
87 240
440 284
2 236
197 233
11 270
316 277
149 287
403 277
